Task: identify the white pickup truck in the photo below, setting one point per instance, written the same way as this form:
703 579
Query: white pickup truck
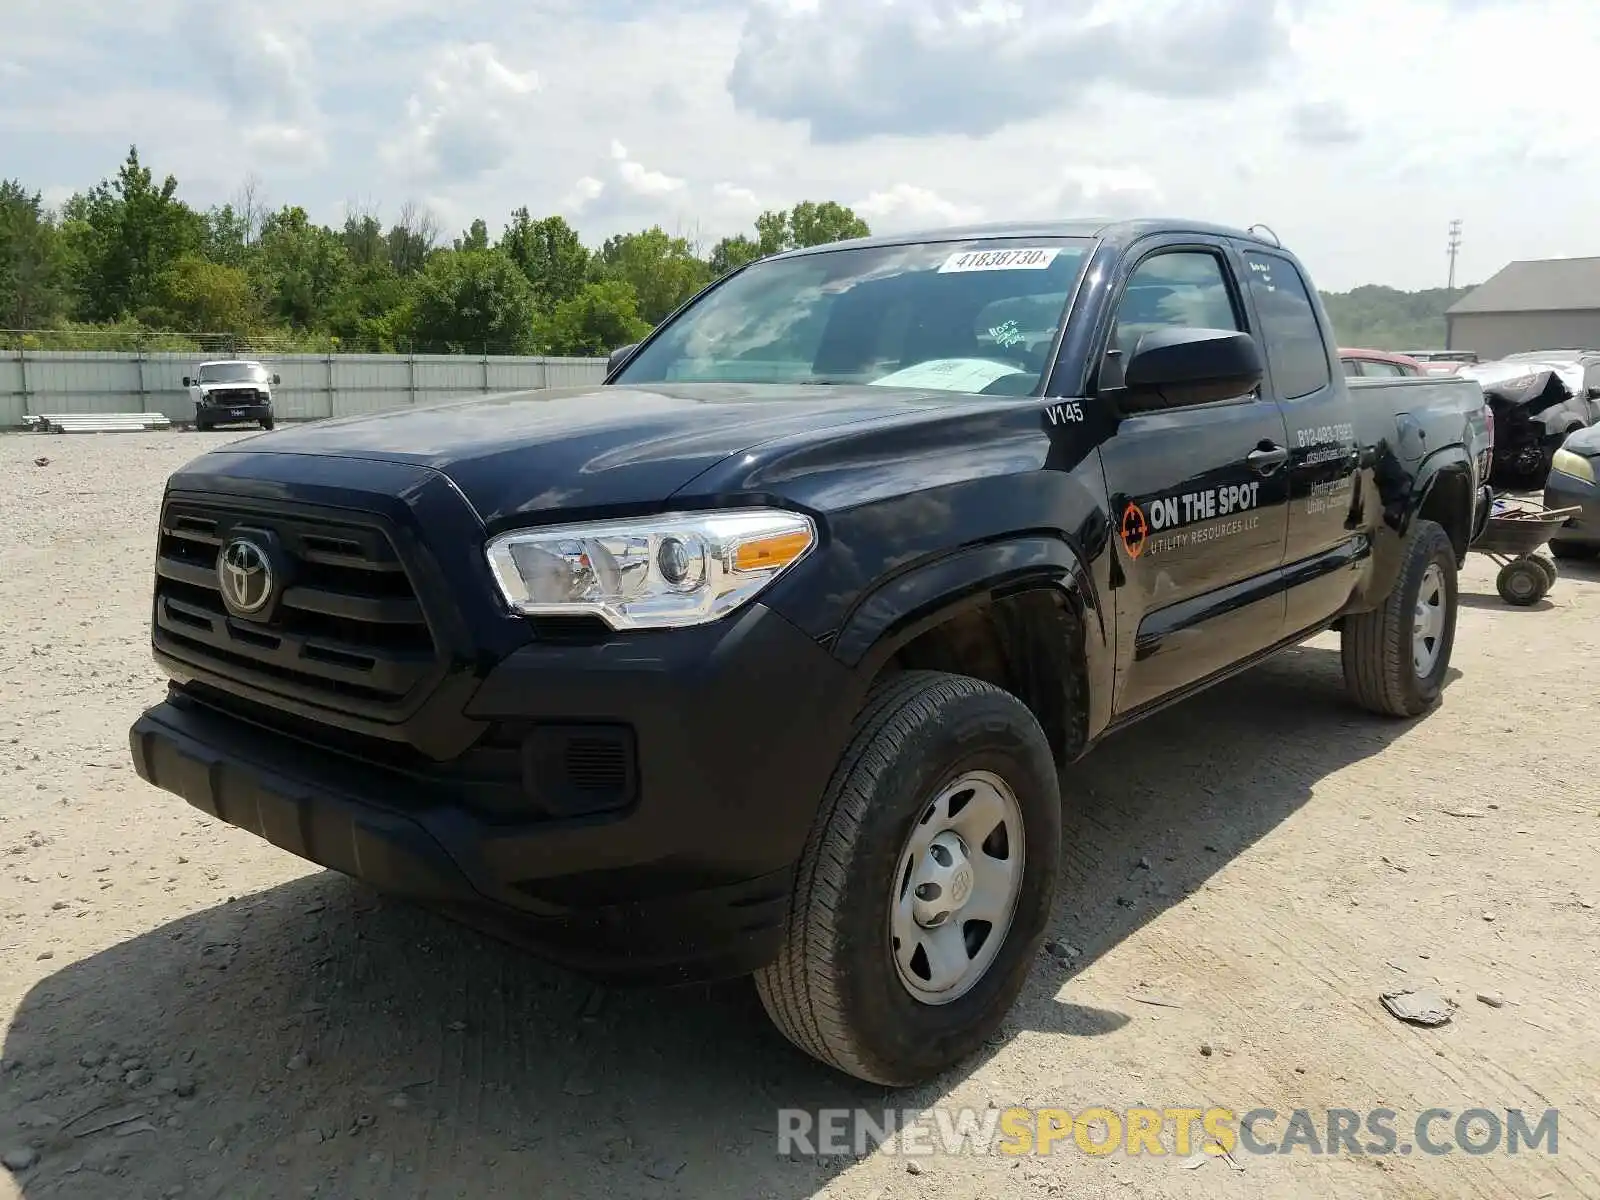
231 391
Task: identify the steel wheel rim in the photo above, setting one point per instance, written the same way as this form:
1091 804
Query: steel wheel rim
1427 623
955 888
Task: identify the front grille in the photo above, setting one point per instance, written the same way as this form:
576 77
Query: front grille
237 398
347 633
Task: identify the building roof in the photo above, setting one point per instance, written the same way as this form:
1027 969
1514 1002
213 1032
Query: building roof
1536 285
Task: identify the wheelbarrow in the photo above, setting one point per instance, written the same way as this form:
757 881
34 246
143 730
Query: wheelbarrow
1516 530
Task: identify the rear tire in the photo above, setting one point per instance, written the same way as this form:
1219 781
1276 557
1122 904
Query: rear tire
1391 666
838 989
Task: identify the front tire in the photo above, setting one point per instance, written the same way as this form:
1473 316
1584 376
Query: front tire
1396 657
946 780
266 422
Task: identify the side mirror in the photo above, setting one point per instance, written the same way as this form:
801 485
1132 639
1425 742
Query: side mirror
1594 392
185 381
277 379
619 356
1173 367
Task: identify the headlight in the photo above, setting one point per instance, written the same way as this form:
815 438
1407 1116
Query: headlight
653 572
1569 462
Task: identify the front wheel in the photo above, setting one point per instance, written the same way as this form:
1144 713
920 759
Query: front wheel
1396 657
926 885
266 422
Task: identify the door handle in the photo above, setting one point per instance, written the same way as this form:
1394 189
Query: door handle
1267 458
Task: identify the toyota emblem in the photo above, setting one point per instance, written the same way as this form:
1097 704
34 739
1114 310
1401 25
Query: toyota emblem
244 572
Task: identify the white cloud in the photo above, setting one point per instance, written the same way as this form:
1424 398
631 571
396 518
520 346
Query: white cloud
468 117
905 206
852 69
263 73
1323 123
732 196
584 193
1098 191
918 112
639 179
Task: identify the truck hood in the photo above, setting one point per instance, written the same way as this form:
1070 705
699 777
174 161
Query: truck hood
529 453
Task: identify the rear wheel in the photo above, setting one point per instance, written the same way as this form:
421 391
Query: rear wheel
1396 657
925 887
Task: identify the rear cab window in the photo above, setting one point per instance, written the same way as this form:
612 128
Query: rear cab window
1291 335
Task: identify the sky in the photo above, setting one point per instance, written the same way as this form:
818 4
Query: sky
1355 129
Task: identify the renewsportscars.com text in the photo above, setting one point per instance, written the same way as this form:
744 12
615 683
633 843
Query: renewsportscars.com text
1101 1131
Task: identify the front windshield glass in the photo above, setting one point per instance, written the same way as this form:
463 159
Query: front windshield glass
233 373
976 316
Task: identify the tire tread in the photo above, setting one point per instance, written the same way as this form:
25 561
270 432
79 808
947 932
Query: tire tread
799 989
1374 649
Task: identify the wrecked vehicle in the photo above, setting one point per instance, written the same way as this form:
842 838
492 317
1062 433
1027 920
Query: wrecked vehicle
1536 403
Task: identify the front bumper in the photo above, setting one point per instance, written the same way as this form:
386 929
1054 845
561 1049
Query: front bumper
736 728
1566 491
228 414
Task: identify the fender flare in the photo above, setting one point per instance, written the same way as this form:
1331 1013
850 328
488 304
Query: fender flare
1452 463
900 608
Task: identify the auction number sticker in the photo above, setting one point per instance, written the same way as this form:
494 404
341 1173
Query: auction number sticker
1036 259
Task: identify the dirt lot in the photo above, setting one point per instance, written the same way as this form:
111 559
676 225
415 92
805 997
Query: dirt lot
187 1011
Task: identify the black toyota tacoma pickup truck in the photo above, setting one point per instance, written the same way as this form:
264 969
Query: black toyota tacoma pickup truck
765 656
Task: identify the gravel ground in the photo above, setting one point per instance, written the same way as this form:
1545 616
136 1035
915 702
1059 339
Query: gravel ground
187 1011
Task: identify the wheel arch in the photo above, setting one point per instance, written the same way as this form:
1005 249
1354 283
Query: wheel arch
1022 614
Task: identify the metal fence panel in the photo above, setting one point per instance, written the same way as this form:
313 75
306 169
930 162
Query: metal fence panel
313 386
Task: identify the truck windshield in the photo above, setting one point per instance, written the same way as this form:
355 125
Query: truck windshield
233 373
977 316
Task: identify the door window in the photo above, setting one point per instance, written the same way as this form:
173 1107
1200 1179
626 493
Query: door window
1295 350
1178 288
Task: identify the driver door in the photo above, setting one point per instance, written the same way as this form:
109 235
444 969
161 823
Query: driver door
1199 494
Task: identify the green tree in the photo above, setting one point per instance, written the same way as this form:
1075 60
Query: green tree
122 238
733 252
550 253
662 270
1383 318
205 297
471 301
412 239
30 265
476 237
226 236
364 241
809 223
300 267
596 321
813 224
